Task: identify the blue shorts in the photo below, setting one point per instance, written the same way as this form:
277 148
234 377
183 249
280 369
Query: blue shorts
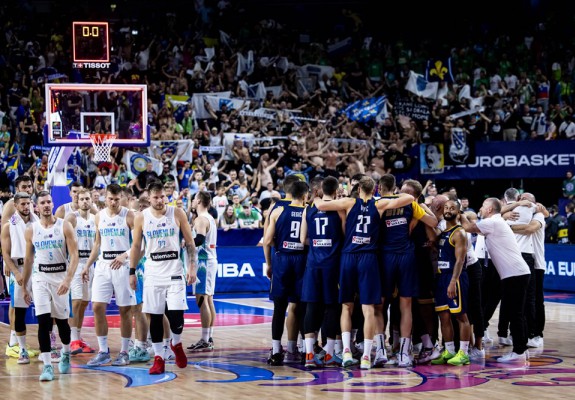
359 274
459 303
321 285
287 276
398 270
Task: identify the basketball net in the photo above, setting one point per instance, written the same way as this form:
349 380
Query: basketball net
102 143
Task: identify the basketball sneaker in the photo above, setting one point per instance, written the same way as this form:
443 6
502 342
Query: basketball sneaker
365 363
459 359
137 354
276 359
122 360
13 351
514 357
181 358
169 354
47 373
55 355
292 358
86 349
211 342
506 341
446 355
159 366
76 347
201 345
24 358
404 360
313 361
487 339
380 358
332 361
425 355
64 364
33 353
101 358
476 355
347 360
535 342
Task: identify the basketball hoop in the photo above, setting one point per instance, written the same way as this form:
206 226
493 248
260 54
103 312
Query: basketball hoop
102 143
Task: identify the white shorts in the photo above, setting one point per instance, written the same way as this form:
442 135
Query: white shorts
108 282
15 290
46 301
161 292
206 280
82 290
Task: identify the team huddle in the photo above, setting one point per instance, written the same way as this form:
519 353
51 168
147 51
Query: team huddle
346 268
144 257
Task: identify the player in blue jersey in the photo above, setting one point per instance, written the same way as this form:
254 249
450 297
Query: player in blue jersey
287 262
451 287
359 271
323 232
294 319
398 265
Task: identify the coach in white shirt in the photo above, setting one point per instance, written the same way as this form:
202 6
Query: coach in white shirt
512 269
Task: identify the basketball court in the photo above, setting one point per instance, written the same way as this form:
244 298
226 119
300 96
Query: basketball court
237 367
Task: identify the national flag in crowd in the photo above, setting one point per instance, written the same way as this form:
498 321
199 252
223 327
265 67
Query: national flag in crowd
179 105
439 70
418 85
136 163
365 109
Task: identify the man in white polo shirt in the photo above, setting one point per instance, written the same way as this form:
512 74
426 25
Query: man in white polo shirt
512 268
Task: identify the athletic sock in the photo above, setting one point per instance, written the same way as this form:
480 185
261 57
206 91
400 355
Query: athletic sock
426 340
309 344
176 338
464 346
276 346
329 347
338 346
450 347
103 343
206 334
22 342
13 338
404 345
74 335
292 346
367 345
211 334
125 344
65 348
346 339
158 349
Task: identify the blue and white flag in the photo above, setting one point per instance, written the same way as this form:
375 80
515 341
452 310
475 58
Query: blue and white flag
461 150
136 163
418 85
366 109
439 70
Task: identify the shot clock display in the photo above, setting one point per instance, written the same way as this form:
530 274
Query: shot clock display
91 44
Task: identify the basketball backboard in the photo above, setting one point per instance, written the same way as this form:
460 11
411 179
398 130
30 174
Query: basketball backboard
74 111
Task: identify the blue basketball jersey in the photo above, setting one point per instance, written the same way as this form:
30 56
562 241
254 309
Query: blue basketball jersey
362 227
447 258
288 229
395 235
324 230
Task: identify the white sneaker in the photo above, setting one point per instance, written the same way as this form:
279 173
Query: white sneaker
380 358
417 348
535 342
506 341
404 361
487 340
476 355
514 357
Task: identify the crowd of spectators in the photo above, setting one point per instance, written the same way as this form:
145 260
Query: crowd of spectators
525 77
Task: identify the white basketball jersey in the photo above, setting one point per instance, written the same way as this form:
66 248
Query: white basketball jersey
162 237
207 251
50 254
114 234
68 209
85 234
17 240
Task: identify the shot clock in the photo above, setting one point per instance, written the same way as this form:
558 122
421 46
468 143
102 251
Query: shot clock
91 45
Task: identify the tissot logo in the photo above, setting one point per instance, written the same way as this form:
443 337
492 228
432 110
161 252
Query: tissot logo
91 65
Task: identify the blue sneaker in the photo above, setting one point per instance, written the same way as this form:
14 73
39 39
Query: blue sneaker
100 359
64 364
137 354
47 374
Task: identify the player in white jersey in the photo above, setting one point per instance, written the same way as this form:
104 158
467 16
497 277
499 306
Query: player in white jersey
24 184
111 275
68 208
164 274
84 224
206 238
14 247
52 251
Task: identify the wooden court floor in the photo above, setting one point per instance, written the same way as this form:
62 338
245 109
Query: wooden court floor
236 369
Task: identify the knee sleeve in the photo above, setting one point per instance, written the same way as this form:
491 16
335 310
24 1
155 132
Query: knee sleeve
20 319
176 318
157 327
44 329
313 316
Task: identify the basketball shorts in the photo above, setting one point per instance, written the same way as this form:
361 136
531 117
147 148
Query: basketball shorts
79 289
47 301
108 282
359 274
206 278
442 302
160 293
287 276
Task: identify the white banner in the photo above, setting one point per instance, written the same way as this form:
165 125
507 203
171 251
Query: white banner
421 87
